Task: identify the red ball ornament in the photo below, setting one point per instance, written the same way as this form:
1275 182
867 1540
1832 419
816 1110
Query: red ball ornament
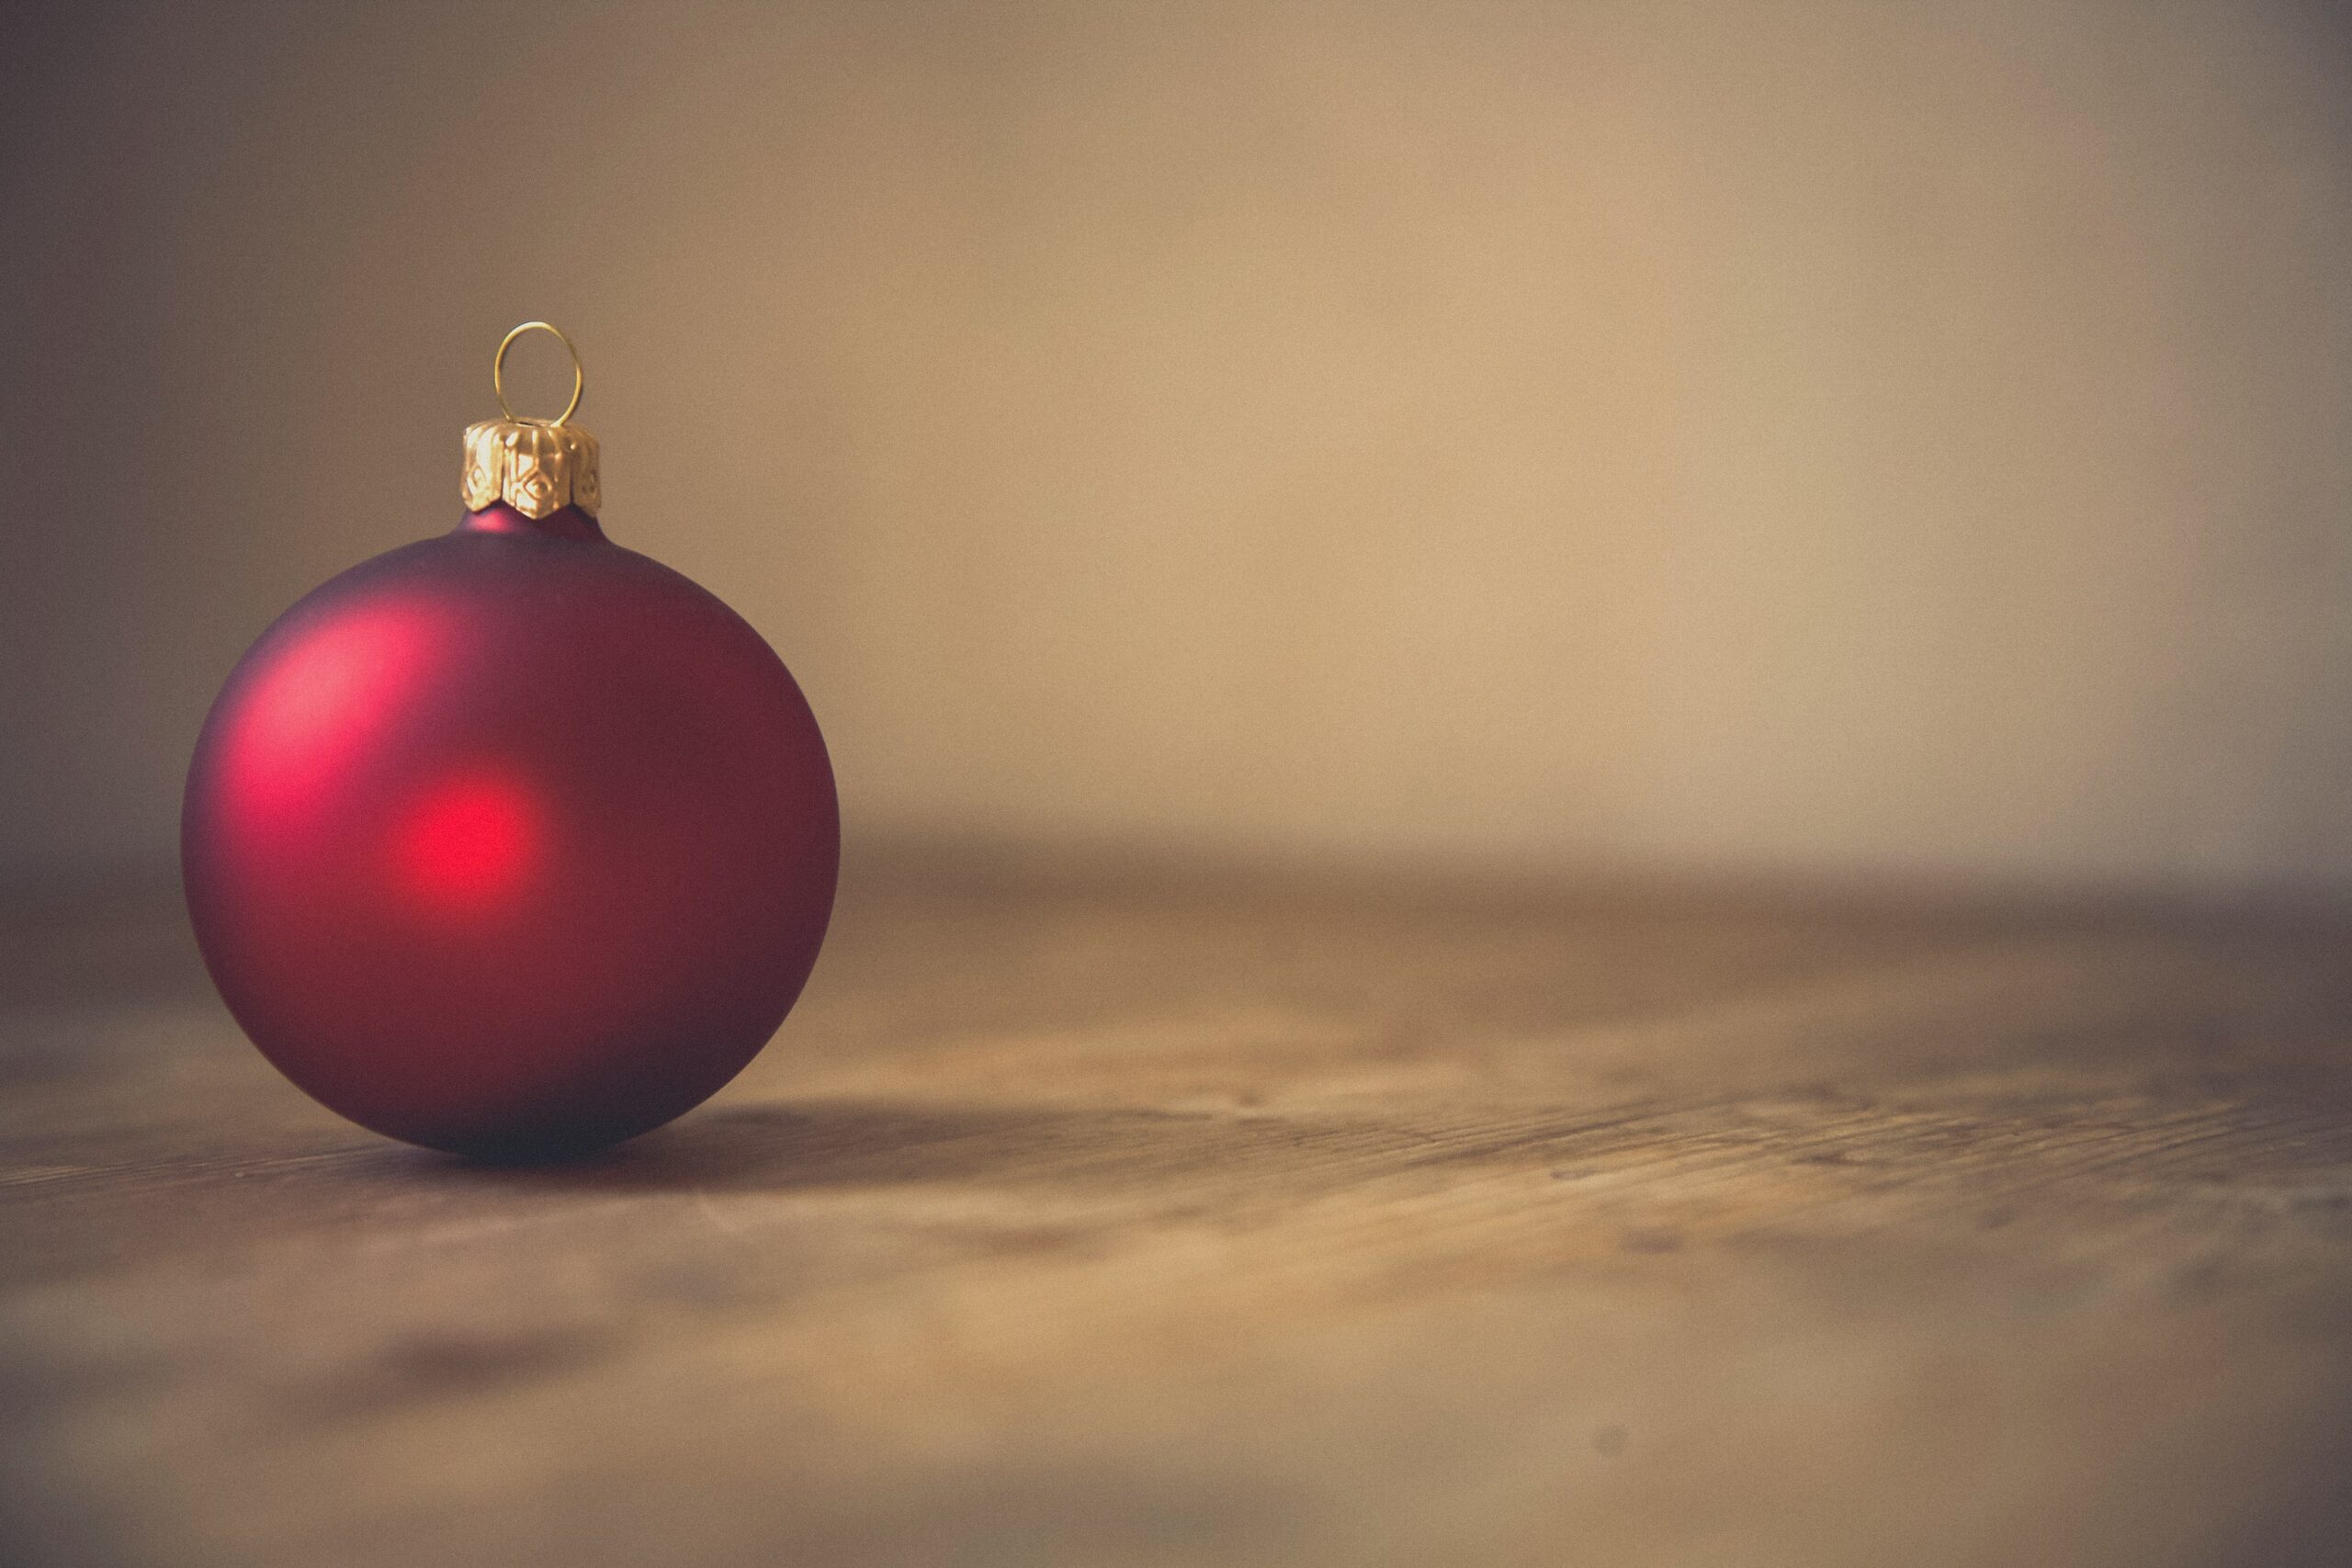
511 842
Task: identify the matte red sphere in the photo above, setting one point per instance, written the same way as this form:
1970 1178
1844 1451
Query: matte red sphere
511 842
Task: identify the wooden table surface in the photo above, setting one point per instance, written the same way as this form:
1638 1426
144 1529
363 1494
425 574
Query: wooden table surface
1137 1218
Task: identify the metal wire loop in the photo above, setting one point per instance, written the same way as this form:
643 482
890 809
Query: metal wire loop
498 375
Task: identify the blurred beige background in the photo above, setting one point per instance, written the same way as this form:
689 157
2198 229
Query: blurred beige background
1813 439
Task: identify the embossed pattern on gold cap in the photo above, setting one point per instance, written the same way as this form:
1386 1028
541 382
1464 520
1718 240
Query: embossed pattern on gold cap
535 469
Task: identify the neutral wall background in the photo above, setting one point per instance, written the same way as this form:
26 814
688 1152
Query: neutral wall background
1819 438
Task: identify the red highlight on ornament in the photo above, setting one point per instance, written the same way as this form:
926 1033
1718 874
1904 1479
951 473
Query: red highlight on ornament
471 845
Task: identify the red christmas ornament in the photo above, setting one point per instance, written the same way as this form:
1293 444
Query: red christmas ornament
511 842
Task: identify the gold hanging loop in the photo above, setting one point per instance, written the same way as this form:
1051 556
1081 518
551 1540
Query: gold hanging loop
498 375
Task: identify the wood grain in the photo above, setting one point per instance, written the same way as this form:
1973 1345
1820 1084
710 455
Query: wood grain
1133 1217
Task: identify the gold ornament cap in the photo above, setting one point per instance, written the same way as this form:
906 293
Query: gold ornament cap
536 466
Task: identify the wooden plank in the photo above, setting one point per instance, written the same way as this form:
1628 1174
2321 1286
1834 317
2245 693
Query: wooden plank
1083 1219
